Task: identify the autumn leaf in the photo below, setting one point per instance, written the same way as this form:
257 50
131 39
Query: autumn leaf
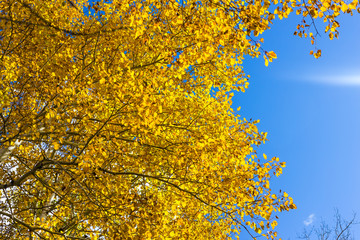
117 122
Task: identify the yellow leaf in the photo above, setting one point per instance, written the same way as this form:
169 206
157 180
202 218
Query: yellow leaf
344 7
272 55
56 145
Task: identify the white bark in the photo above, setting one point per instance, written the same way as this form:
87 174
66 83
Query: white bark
5 152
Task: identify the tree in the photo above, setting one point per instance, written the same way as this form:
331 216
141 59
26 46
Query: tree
340 231
117 123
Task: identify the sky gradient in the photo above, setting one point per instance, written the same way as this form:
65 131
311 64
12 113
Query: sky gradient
311 111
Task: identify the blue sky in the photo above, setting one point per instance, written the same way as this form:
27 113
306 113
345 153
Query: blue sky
311 111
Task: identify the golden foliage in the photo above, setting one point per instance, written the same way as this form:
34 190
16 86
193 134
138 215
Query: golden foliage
117 123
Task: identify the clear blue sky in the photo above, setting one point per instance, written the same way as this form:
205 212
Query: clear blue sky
311 111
